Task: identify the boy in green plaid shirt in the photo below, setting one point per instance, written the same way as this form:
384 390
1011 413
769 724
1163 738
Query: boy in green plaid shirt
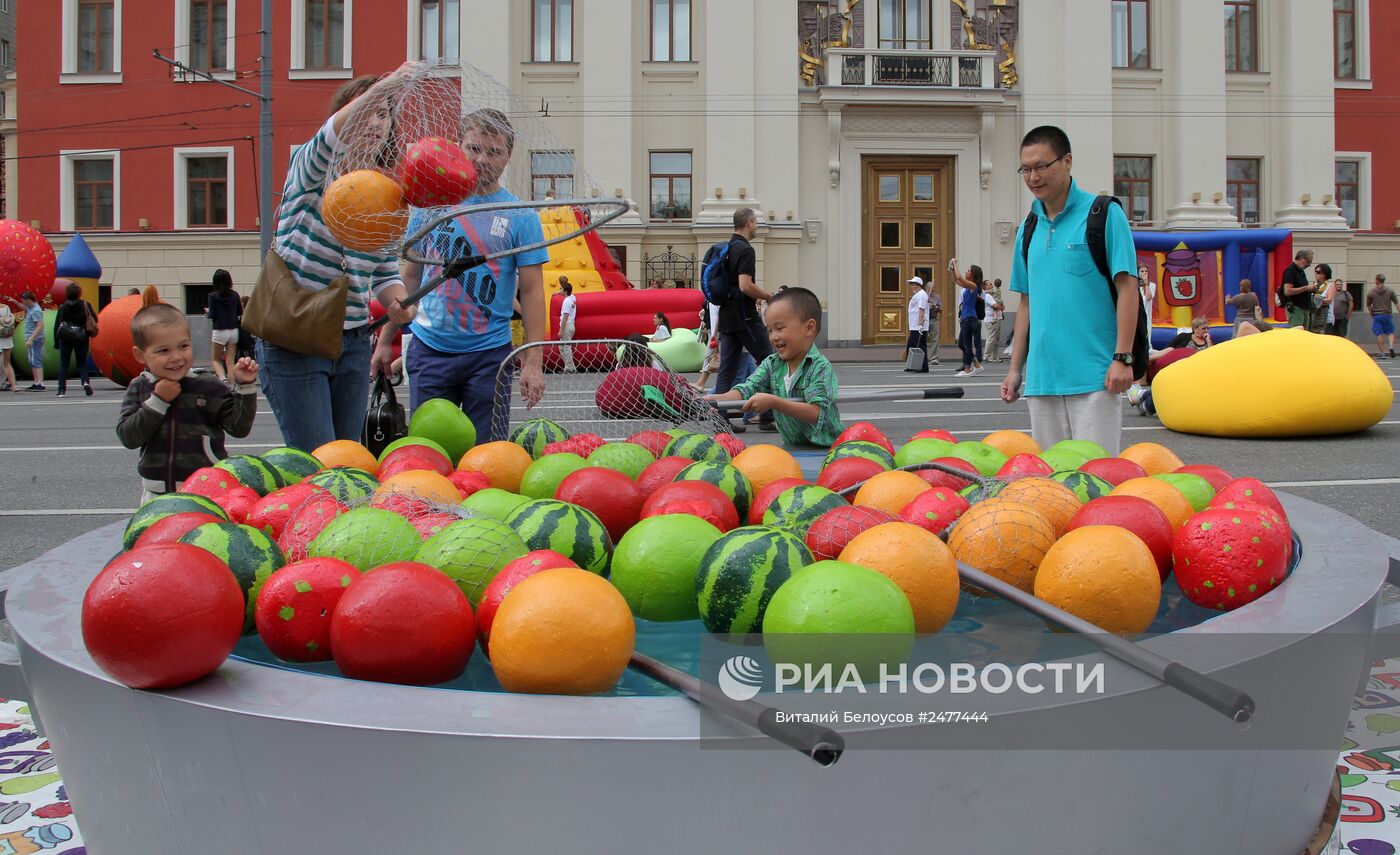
796 381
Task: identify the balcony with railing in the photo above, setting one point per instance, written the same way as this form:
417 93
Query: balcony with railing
910 76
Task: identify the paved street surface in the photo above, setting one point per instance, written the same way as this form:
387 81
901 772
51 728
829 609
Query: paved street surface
64 472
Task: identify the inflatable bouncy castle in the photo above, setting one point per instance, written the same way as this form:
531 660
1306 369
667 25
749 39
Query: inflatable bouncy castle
585 261
1196 272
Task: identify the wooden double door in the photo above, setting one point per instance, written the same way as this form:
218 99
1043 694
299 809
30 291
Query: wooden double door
906 231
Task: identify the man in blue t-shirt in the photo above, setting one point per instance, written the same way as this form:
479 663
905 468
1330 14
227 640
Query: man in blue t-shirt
462 332
1075 349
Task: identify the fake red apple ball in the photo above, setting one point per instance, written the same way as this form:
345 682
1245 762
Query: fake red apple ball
660 473
1114 470
939 478
162 616
841 474
699 498
403 622
609 494
1138 516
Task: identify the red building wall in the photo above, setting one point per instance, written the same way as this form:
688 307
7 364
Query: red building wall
1369 120
149 113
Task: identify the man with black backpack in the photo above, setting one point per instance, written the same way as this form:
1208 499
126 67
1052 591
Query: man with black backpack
1082 339
729 281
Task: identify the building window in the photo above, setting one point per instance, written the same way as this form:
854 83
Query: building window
1344 38
91 192
5 59
208 34
670 30
438 29
325 34
197 298
1242 187
670 185
203 178
1130 30
551 174
1349 181
1132 183
96 29
206 186
906 25
553 27
1241 35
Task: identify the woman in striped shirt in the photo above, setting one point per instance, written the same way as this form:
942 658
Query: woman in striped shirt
318 400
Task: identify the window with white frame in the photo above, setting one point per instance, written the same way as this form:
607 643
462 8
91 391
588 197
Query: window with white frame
91 41
670 185
1130 34
551 175
6 59
552 30
906 25
1132 182
321 38
670 30
91 190
1242 187
208 34
438 29
204 188
1241 35
1353 188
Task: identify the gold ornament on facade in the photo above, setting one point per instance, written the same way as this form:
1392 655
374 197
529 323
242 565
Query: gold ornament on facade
996 30
811 50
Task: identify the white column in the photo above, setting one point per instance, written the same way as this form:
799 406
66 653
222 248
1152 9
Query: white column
732 48
1194 146
775 84
487 33
608 75
1303 145
1064 65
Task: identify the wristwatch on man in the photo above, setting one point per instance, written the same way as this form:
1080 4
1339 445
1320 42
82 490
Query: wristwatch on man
1125 358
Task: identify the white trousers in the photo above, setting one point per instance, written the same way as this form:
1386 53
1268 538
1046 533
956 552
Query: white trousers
1096 416
566 333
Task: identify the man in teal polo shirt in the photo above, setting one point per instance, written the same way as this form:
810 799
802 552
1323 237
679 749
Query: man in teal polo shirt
1079 358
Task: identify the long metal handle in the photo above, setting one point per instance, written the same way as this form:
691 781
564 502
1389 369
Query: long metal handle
887 395
453 268
821 744
1233 703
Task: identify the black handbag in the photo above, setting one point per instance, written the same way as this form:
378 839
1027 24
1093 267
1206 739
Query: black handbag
385 421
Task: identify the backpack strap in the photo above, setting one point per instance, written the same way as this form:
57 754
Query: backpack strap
1027 230
1096 236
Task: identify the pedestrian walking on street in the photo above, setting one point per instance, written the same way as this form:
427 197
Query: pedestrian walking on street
741 328
568 313
1382 303
8 324
34 339
224 309
75 324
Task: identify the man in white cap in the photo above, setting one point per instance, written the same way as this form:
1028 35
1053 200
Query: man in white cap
918 322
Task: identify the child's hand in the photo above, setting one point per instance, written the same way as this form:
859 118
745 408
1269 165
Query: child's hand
760 403
167 390
245 371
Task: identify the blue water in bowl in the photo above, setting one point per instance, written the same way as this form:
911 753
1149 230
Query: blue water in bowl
981 628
